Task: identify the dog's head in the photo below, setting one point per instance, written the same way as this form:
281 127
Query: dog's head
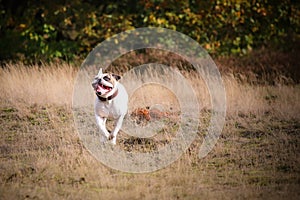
105 84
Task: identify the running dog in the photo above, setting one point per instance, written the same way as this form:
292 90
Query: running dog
111 101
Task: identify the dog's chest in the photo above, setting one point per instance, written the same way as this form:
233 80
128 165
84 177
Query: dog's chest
106 109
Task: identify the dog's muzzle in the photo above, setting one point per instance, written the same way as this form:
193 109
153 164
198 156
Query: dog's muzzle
101 88
108 98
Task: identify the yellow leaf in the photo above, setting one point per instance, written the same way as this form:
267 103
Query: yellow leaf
22 25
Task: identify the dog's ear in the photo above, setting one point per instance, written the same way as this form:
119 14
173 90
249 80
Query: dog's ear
100 72
117 77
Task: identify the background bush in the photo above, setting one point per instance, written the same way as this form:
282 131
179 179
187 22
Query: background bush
33 31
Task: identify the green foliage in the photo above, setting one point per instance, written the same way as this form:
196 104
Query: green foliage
43 44
43 30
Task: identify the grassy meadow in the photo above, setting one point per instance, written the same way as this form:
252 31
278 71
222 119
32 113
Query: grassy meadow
42 157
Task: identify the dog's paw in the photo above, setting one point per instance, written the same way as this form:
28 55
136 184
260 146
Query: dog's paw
113 141
110 137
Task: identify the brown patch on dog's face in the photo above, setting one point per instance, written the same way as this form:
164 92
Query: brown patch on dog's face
117 77
112 78
109 78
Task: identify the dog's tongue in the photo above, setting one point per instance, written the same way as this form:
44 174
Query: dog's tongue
98 88
101 89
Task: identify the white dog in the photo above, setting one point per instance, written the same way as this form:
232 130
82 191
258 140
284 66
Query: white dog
111 102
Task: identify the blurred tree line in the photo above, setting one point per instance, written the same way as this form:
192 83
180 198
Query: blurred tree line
43 30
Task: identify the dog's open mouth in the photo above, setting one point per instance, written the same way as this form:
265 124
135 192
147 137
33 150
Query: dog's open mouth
101 89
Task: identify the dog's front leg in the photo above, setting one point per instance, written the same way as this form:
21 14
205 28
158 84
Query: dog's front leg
118 125
101 121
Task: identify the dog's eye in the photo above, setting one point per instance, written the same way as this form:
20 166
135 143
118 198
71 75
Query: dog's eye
106 78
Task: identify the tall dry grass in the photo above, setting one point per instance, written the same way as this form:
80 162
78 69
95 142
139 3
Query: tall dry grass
54 84
46 84
277 100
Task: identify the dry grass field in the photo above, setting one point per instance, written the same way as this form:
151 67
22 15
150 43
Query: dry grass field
42 157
